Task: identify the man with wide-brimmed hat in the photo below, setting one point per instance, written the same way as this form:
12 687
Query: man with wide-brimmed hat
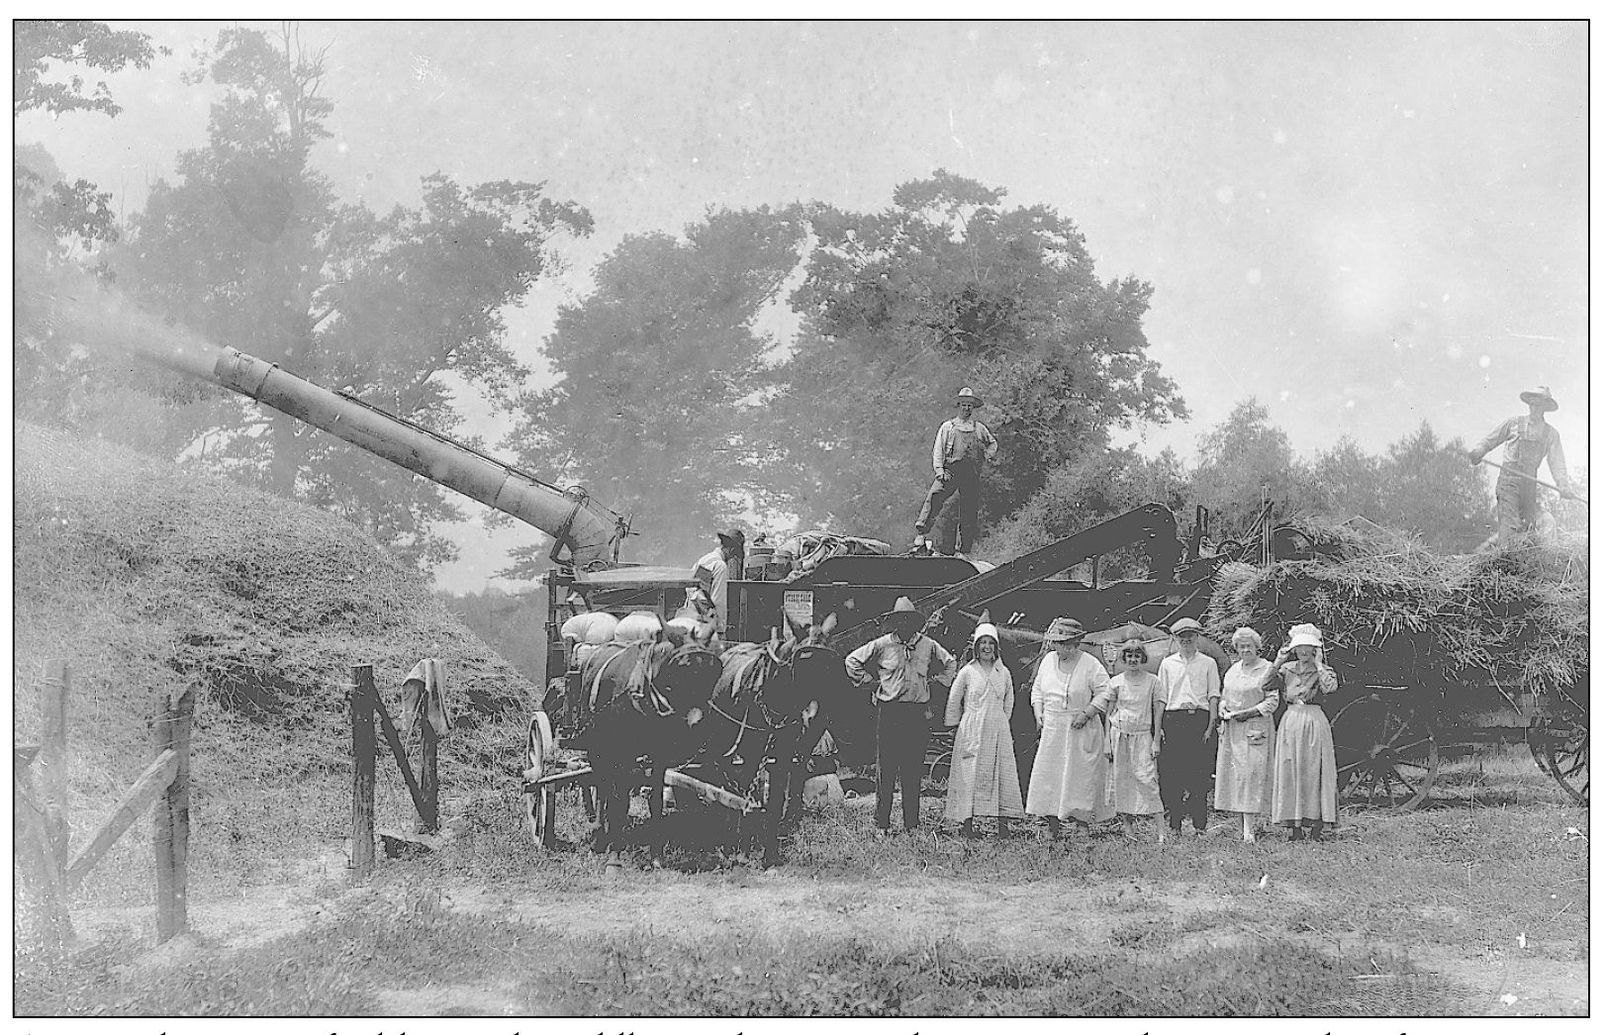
713 570
901 663
1529 440
963 445
1189 682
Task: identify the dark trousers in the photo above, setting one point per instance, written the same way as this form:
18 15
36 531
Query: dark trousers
901 732
1186 763
964 478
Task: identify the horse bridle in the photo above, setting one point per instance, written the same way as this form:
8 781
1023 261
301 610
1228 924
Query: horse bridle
650 693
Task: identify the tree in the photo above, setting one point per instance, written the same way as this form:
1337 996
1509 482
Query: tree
945 288
60 230
1242 458
661 371
251 248
1430 490
1349 481
36 44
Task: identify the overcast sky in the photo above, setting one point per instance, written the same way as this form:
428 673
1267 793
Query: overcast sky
1362 225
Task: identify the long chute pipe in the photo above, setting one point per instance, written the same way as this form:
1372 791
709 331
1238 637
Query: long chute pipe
590 531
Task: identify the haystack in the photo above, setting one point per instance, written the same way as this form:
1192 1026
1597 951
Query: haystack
147 578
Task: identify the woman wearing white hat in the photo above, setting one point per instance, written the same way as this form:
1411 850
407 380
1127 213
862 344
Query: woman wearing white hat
1304 781
1247 734
1070 695
983 780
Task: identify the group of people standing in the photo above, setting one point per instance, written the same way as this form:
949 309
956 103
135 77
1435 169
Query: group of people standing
1135 744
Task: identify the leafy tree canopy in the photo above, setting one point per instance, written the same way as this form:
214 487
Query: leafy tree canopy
946 288
37 46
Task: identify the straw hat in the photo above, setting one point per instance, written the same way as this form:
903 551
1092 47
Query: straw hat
967 394
1539 396
903 612
1064 630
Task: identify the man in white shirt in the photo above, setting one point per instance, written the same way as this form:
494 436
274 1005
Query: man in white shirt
713 570
1189 683
962 446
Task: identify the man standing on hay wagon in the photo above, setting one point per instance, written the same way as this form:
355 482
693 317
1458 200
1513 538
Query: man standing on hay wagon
1529 441
963 445
901 664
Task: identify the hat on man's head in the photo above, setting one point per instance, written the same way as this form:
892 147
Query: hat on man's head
1186 625
903 613
1539 396
967 394
1063 630
733 535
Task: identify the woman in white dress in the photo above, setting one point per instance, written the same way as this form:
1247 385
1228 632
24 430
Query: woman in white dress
1132 749
1304 787
983 780
1070 695
1247 735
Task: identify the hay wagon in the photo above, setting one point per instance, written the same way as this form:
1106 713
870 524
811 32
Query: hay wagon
1435 655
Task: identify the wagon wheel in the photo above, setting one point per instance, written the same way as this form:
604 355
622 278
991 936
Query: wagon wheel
939 767
1560 747
1387 754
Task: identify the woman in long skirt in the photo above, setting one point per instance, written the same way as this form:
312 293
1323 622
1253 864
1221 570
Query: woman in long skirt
1070 694
1247 734
983 780
1304 789
1132 749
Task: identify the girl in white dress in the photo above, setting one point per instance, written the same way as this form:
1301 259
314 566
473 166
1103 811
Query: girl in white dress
983 780
1133 745
1070 695
1247 734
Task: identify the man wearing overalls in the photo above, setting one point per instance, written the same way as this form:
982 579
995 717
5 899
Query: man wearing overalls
1530 440
963 445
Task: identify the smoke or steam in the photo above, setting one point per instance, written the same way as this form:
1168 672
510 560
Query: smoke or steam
71 308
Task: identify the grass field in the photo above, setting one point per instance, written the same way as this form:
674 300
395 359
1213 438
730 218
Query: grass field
1476 905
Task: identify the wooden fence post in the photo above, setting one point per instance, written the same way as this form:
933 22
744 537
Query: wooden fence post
429 776
31 844
172 733
53 761
363 751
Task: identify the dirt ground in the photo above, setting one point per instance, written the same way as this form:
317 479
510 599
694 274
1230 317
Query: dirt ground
995 919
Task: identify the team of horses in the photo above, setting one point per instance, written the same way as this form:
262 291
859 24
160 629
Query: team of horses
735 718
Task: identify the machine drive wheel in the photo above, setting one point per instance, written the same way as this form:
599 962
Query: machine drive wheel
1387 753
1559 744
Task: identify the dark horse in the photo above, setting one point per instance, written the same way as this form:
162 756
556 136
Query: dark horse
647 699
767 713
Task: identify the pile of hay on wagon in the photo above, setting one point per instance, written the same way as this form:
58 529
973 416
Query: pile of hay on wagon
1396 614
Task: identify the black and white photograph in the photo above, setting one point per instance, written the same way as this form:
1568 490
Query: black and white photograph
746 519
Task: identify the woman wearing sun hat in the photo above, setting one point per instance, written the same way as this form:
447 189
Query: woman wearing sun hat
1304 780
1133 745
1247 734
983 780
1070 695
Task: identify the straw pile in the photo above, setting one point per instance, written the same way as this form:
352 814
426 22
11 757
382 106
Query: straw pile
1397 614
148 579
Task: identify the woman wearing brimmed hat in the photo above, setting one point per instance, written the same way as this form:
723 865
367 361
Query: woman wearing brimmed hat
1304 780
983 780
1529 441
1133 745
1070 695
901 664
1247 734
